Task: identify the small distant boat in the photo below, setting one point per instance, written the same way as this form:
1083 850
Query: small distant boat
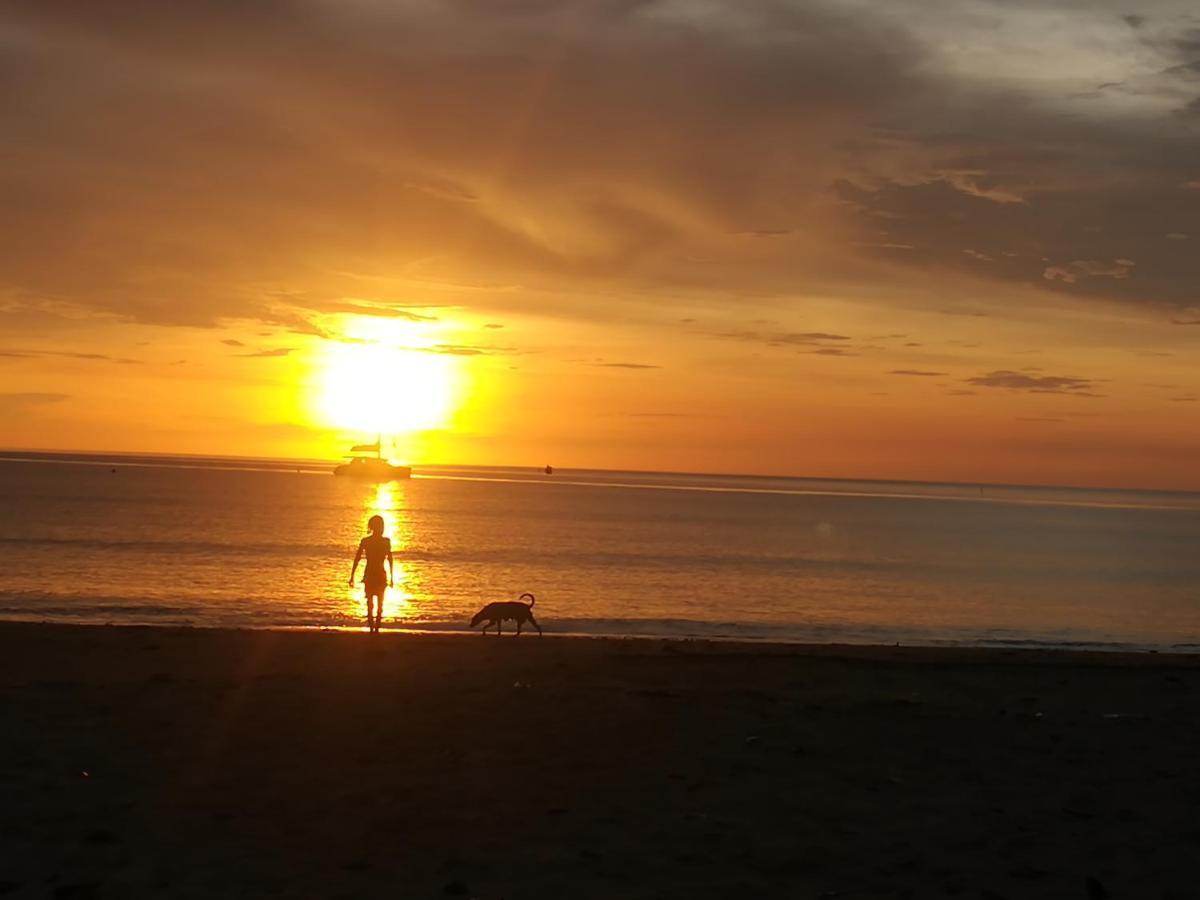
371 468
549 470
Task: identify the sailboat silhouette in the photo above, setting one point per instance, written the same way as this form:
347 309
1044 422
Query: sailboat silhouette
371 468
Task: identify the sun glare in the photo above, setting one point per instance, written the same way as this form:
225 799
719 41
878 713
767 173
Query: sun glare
387 382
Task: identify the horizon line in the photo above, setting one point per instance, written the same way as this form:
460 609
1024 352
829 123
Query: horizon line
7 454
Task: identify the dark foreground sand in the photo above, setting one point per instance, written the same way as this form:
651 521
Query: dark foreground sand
178 763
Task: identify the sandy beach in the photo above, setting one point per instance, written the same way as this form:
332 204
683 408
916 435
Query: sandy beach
146 762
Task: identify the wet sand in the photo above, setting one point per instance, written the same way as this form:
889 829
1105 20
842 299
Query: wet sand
191 763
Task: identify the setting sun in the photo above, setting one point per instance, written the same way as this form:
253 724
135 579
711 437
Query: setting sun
391 380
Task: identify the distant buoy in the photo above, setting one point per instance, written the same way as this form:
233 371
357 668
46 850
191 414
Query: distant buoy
549 470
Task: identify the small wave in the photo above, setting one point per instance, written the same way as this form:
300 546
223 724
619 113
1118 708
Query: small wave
176 547
102 609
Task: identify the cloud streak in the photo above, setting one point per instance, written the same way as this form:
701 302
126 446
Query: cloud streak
274 353
71 354
1007 379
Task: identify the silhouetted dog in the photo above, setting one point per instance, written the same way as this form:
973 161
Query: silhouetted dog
496 613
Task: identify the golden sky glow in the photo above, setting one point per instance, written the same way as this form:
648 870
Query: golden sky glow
935 240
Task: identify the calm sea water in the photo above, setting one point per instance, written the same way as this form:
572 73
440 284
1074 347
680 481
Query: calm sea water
256 543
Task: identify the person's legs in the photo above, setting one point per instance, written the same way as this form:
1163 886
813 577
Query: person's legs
379 608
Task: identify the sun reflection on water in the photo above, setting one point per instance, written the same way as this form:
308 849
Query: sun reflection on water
400 600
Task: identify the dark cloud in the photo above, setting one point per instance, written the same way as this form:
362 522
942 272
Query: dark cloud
363 308
1042 189
465 350
1037 384
232 342
831 351
808 337
70 354
1076 269
267 354
786 338
625 365
918 372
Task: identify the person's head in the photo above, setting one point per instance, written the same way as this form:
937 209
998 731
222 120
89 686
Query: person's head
375 524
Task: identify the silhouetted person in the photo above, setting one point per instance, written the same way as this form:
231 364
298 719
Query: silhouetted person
375 580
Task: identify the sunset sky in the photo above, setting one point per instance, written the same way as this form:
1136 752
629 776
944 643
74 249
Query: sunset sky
910 239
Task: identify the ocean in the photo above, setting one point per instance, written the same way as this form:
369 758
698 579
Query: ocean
261 543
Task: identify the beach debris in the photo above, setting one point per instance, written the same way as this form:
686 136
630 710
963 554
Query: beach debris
1124 716
753 739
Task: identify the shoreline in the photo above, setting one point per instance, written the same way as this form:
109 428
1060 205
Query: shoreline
196 762
1031 647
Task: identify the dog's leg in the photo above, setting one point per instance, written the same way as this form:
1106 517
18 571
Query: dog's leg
518 627
499 627
533 622
486 626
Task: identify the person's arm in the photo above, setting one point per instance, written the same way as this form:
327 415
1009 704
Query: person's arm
354 568
391 567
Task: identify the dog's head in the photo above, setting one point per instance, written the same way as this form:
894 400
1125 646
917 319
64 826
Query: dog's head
478 617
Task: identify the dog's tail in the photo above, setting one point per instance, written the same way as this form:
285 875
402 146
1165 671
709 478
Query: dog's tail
532 599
